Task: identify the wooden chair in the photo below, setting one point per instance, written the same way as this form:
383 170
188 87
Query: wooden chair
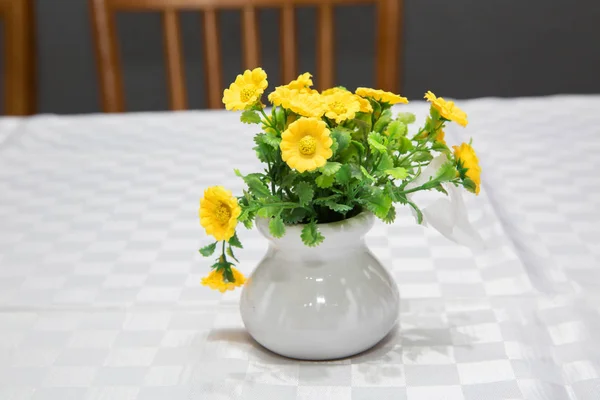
111 86
18 57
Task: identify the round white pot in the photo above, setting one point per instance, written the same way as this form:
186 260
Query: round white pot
330 301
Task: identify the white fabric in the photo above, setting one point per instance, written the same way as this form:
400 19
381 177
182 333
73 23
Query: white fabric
99 271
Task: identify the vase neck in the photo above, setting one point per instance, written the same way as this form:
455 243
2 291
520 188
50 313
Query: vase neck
347 235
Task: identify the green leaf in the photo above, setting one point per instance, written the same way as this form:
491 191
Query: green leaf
366 174
356 171
439 146
280 118
248 224
250 117
305 192
376 142
342 137
396 129
277 227
263 150
391 215
397 173
340 208
470 185
343 176
323 200
330 168
363 123
293 216
417 211
230 253
310 235
405 145
385 163
379 204
324 181
257 187
268 211
235 241
271 140
383 121
238 173
359 147
406 117
289 179
447 172
227 274
208 251
422 156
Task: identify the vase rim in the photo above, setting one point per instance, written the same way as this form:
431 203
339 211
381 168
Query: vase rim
351 228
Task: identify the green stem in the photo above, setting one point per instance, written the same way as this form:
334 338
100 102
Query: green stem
223 252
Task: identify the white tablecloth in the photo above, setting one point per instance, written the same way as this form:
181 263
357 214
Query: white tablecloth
99 270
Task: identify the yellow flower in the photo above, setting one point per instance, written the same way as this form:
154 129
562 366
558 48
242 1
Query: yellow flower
341 105
215 280
466 158
365 106
306 145
333 90
447 109
218 212
441 136
246 90
381 95
281 96
303 81
304 103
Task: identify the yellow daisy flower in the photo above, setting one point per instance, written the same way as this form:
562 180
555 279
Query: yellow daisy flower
305 104
365 106
447 109
381 95
333 90
306 145
302 82
341 105
466 158
246 90
441 136
218 212
216 281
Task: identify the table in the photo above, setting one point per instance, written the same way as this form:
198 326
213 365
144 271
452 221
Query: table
99 271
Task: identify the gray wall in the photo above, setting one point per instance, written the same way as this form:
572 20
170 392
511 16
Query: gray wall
466 48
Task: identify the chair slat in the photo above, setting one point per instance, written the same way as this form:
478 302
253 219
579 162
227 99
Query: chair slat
109 69
388 22
288 43
160 5
212 58
174 61
19 60
250 38
325 47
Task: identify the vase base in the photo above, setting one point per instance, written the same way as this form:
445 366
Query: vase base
303 355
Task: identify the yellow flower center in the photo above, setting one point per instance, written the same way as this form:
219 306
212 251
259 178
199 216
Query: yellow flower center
223 213
247 94
307 145
338 107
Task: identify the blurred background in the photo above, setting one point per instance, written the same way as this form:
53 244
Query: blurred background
461 49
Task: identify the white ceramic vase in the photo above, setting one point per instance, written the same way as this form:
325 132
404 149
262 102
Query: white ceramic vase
326 302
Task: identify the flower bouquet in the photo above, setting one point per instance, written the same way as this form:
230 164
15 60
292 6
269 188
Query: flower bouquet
330 157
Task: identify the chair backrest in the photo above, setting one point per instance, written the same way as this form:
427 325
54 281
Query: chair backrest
18 57
111 85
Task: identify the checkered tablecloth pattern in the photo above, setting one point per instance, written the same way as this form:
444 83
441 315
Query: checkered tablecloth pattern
99 271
